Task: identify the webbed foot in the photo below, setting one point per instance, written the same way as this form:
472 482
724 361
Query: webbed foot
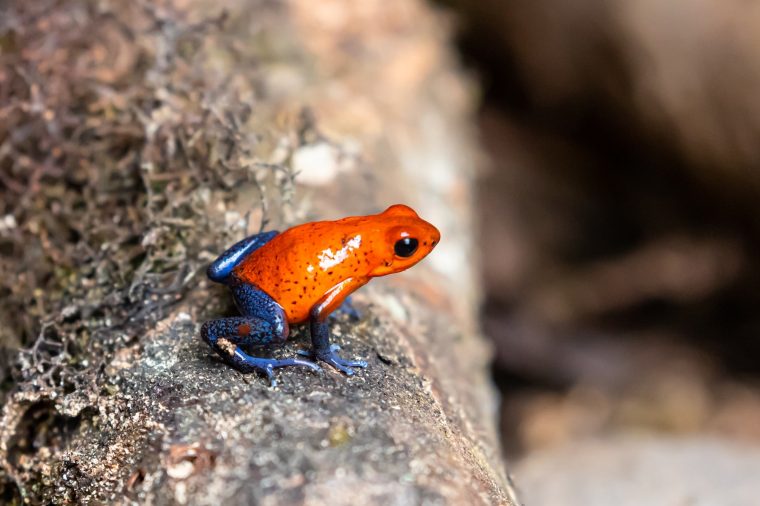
247 363
332 358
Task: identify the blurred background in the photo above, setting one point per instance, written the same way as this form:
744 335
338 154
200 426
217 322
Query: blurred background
619 221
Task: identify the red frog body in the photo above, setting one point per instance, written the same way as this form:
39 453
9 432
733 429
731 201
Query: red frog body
303 274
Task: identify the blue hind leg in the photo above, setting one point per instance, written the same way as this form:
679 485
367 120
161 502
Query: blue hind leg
222 267
347 308
263 323
226 335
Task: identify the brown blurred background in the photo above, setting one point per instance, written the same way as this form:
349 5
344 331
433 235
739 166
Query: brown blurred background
619 223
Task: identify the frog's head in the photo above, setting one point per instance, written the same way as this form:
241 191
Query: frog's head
406 239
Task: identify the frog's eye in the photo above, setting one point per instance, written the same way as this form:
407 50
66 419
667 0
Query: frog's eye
405 247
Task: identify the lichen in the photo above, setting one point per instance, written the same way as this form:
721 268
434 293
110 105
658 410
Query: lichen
118 147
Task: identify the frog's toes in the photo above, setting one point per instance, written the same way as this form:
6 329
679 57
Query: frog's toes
270 376
267 366
341 364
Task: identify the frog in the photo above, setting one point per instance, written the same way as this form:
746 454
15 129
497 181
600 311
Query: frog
301 276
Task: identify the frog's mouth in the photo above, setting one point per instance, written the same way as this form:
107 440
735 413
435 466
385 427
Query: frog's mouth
384 269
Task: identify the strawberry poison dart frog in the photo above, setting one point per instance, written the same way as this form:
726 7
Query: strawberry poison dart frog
304 274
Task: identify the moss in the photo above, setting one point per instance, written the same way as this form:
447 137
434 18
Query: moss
114 136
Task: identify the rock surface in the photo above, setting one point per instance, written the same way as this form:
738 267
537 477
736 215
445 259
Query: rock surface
657 471
176 425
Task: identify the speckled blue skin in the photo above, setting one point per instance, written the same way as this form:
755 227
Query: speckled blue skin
263 321
221 269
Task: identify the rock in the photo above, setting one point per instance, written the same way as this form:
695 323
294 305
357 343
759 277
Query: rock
316 164
637 470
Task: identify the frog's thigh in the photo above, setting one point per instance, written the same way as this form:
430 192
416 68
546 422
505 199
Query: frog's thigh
226 335
222 267
253 302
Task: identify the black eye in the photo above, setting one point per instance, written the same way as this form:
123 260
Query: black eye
405 247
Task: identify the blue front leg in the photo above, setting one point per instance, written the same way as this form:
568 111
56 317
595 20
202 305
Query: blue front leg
222 267
263 323
321 349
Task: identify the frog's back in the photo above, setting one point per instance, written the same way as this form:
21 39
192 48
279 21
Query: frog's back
299 266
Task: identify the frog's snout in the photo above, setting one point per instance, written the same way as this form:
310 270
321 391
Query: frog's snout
434 236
